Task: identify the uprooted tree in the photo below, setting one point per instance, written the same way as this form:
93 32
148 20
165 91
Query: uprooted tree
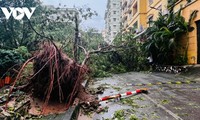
56 76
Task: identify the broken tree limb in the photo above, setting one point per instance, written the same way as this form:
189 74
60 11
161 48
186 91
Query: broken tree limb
106 49
19 74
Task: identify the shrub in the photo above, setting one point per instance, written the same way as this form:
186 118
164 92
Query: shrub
8 59
23 51
130 57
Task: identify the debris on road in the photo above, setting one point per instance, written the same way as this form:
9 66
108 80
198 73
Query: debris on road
118 96
164 102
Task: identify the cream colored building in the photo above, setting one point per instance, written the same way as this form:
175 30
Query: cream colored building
112 20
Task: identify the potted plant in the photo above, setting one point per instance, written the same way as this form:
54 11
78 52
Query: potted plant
7 78
2 82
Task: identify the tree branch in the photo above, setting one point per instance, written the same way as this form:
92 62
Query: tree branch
50 39
106 49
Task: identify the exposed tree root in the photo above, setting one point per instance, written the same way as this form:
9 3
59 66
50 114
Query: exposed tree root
56 77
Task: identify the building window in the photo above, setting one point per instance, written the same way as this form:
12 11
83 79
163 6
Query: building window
160 8
130 29
135 25
150 20
135 9
114 19
114 4
114 12
130 15
114 33
150 2
114 26
188 1
125 18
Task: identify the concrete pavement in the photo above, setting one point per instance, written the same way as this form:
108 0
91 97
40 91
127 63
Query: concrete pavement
164 102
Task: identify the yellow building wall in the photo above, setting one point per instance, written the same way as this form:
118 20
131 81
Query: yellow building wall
144 11
179 4
192 37
187 10
142 6
134 21
140 16
140 20
152 9
143 20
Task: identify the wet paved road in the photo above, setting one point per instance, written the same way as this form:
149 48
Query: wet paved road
164 102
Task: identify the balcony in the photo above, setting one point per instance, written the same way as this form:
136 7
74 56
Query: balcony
135 9
125 24
130 3
129 11
125 10
124 4
130 17
124 18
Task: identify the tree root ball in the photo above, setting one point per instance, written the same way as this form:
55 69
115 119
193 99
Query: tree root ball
56 76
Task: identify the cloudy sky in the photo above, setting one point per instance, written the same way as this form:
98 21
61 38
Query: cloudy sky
98 5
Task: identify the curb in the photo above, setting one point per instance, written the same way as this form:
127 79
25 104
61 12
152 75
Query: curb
71 114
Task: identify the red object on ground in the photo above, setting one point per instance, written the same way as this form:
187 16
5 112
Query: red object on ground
2 82
7 80
128 93
143 90
138 91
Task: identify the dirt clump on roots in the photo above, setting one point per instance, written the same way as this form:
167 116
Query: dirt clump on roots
56 77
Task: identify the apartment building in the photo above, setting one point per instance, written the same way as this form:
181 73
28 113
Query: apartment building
193 37
112 20
62 14
154 7
136 15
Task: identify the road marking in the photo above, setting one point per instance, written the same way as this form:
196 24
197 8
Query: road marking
164 108
159 105
158 83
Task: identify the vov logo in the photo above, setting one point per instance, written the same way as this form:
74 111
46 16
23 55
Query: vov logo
18 13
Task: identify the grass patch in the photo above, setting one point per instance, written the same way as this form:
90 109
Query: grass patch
116 88
130 101
165 102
